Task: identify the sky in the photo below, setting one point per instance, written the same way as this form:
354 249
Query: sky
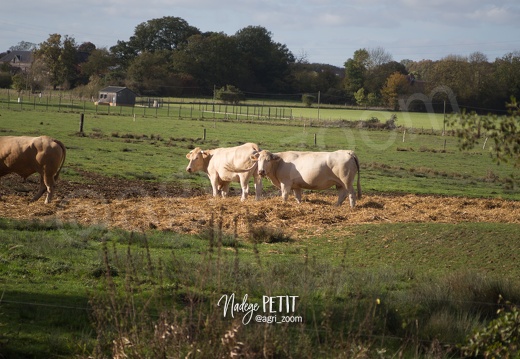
321 31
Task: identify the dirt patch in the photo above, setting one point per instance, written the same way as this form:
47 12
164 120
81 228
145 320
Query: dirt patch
142 205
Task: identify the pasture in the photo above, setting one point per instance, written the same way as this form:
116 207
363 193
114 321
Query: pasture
134 254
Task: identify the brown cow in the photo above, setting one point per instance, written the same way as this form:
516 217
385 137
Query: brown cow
224 165
27 155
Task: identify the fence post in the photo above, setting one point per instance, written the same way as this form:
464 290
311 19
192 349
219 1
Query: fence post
81 121
204 135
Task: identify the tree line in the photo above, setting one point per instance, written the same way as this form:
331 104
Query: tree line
169 57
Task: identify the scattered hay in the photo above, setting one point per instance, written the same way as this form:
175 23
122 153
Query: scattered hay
139 206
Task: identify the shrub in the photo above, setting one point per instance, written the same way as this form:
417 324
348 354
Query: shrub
230 94
308 99
499 339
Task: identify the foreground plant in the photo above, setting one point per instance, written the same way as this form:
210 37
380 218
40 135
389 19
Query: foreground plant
499 339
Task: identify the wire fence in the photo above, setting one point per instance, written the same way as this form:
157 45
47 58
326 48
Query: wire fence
145 107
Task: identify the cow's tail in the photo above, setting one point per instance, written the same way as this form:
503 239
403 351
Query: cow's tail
232 168
358 176
62 159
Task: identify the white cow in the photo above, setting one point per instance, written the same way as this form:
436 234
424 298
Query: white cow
26 155
294 170
226 165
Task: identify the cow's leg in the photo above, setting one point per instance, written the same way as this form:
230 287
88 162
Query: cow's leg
40 193
224 190
342 195
258 186
244 184
351 195
214 185
46 185
298 194
50 183
285 191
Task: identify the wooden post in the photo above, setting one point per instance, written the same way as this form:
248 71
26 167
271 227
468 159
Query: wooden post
204 135
404 134
314 139
81 121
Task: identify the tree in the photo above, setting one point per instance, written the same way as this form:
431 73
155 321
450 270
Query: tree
23 46
20 82
166 33
355 71
123 53
318 77
59 59
377 57
69 61
373 99
396 85
98 63
483 82
267 62
211 59
150 72
360 96
507 71
452 72
87 47
376 77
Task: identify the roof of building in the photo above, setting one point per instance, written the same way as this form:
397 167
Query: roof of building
114 89
19 56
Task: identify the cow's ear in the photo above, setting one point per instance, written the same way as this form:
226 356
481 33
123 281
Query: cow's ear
204 154
275 158
255 156
188 155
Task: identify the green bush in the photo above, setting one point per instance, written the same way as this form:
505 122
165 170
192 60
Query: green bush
499 339
230 94
308 99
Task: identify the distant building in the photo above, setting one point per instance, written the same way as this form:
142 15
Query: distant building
116 96
19 60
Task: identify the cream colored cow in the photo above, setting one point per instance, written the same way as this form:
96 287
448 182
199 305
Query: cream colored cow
294 170
226 165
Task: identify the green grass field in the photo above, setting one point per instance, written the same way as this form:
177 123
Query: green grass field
416 161
376 290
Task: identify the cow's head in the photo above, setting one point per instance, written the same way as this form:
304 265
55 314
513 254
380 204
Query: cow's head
197 159
265 160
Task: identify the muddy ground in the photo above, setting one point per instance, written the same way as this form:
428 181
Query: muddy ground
142 205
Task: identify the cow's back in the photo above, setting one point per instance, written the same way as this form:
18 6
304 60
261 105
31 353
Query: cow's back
26 155
18 154
314 170
227 158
